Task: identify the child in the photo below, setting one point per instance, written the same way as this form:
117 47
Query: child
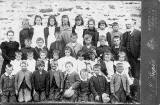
43 57
92 31
107 65
102 30
65 30
23 83
71 83
84 92
27 48
8 50
119 85
40 82
7 87
50 32
115 32
40 46
78 28
16 63
103 47
99 86
116 48
62 61
31 61
55 55
55 82
80 61
38 30
74 45
26 32
87 48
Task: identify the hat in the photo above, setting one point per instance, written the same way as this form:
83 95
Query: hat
105 98
68 93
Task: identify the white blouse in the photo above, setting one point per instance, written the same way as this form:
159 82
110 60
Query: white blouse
79 31
51 37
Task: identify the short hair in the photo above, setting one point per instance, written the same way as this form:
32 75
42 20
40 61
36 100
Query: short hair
37 16
83 70
68 49
102 37
80 53
24 62
10 31
9 65
108 52
40 39
102 22
53 62
43 51
55 21
91 19
29 53
97 66
28 39
69 63
116 37
74 34
79 17
65 16
119 65
123 53
55 51
87 36
18 52
40 63
115 24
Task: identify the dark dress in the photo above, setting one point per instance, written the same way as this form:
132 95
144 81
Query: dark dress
26 33
37 52
8 52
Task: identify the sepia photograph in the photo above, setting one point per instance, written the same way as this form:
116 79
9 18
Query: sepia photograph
71 51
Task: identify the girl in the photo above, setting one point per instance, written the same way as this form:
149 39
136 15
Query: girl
26 32
92 31
38 30
78 28
50 32
102 30
107 65
8 50
65 30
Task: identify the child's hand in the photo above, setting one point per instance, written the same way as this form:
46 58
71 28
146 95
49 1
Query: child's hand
97 98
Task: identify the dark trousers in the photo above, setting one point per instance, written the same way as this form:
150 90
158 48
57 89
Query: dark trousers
54 94
39 96
8 97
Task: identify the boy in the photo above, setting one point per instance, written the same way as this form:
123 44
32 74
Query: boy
23 83
55 82
40 46
116 48
115 32
99 86
74 45
27 48
71 83
67 58
7 87
119 85
103 47
16 62
31 61
40 82
43 57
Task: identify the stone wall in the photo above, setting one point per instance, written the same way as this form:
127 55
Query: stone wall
13 11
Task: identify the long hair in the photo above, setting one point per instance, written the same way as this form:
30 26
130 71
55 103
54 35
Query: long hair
79 17
55 21
37 16
65 16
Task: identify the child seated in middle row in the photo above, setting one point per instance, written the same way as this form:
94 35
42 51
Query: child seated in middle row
31 61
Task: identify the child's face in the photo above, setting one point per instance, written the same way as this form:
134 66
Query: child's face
97 70
84 74
41 67
78 22
68 67
30 56
18 56
54 65
128 26
51 22
81 58
102 26
92 57
38 21
23 66
40 43
91 25
102 42
10 36
28 43
120 69
121 57
107 57
9 70
55 56
67 53
43 56
65 21
25 24
116 41
115 28
88 41
74 39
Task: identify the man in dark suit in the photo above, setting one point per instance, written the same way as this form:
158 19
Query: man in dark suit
132 42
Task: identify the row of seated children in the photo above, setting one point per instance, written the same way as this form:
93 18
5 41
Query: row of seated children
68 86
